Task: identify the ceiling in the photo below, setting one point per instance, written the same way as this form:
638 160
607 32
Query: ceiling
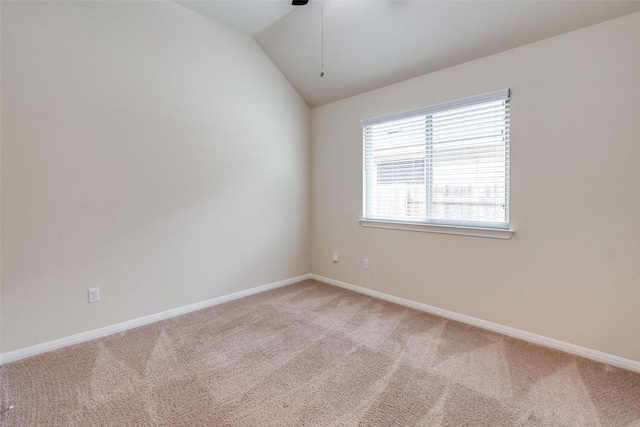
247 16
373 43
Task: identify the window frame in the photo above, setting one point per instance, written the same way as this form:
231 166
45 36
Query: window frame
424 224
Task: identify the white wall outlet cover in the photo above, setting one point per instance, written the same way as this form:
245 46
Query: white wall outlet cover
365 264
94 295
335 256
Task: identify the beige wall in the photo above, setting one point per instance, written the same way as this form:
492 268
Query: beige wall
148 151
162 157
572 269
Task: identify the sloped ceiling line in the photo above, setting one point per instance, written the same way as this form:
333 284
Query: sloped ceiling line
370 44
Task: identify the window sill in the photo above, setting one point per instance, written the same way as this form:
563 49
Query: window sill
493 233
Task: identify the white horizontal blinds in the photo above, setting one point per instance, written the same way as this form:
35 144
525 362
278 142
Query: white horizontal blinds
469 163
395 162
446 165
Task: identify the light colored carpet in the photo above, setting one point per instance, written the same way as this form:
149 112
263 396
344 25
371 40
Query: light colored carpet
314 355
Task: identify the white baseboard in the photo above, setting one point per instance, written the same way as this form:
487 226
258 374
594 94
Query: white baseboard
22 353
587 353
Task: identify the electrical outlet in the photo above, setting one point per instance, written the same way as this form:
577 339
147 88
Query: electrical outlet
335 256
365 264
94 295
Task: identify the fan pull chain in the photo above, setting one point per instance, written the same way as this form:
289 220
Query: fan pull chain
322 38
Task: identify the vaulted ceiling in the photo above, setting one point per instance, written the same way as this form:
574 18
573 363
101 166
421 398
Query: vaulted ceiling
373 43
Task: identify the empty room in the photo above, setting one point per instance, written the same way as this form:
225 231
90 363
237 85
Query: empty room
320 213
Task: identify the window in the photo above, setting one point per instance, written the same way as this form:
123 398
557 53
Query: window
387 171
446 164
